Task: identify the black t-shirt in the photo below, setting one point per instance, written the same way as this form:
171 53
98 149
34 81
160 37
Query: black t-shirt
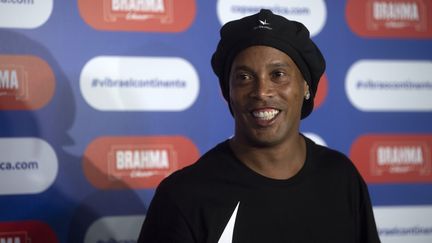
219 199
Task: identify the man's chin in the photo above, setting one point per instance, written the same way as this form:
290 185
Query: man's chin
264 141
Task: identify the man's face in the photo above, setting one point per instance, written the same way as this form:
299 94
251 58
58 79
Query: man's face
266 96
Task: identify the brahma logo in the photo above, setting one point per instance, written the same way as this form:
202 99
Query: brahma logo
390 18
141 161
311 13
404 223
14 237
136 162
138 15
26 232
115 229
400 159
390 85
139 83
138 10
13 81
394 158
26 83
27 165
36 13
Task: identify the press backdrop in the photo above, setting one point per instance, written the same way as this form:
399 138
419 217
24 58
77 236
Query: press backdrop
101 99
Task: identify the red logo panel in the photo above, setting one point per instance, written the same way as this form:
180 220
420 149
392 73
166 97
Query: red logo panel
390 18
136 162
393 158
26 82
26 232
138 15
321 92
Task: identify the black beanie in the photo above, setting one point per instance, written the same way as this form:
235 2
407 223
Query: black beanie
268 29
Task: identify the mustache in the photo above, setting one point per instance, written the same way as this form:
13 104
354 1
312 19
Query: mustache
254 105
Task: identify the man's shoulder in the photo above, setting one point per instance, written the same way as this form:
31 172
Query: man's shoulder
205 167
323 156
328 153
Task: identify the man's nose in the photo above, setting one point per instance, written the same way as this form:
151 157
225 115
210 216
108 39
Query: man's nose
263 88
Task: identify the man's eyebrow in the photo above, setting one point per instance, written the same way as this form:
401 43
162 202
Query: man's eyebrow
278 64
241 68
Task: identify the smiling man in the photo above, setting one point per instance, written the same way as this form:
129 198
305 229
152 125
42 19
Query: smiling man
268 183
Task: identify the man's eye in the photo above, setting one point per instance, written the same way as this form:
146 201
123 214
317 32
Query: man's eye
243 76
277 74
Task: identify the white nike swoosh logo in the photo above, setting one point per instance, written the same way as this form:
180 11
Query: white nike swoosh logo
227 234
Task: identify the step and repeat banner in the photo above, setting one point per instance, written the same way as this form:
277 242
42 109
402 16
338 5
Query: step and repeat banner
102 99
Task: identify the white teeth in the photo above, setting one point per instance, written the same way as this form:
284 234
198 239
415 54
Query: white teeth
265 115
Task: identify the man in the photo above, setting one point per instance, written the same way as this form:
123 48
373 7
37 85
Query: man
268 183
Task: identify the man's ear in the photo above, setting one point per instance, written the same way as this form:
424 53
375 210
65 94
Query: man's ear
306 88
306 94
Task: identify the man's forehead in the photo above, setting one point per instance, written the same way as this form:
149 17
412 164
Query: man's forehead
264 56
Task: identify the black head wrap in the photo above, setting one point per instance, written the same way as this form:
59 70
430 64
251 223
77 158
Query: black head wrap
268 29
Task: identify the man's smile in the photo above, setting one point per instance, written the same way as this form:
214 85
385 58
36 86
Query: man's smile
266 114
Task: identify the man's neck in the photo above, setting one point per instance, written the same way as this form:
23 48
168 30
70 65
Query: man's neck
281 161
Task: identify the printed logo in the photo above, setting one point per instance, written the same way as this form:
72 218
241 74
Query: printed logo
312 13
36 13
227 234
390 85
393 158
15 237
263 24
138 15
404 223
26 83
112 83
321 92
390 18
115 229
136 162
13 81
26 232
27 165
